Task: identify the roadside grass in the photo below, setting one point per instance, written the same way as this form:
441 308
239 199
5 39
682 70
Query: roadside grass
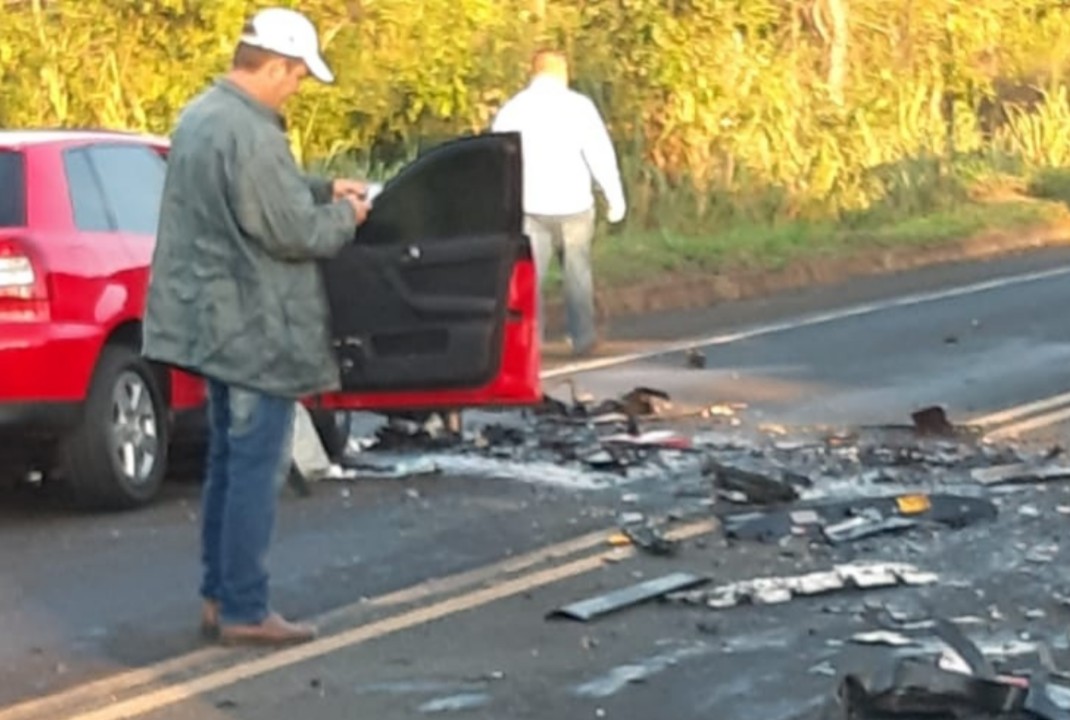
623 259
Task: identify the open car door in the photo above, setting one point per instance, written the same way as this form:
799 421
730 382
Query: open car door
434 304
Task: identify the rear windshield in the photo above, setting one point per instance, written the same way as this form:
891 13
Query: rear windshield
12 189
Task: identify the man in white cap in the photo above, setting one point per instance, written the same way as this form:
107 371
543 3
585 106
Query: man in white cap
236 296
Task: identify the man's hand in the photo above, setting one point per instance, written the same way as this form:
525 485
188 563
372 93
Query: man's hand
360 206
341 188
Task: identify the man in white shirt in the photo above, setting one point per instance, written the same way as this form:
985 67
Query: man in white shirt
565 146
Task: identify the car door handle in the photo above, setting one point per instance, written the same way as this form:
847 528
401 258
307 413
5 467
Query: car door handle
412 254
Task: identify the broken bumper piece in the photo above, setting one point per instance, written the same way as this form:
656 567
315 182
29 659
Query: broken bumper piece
775 590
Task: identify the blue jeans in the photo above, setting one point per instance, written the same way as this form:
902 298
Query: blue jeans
568 237
248 453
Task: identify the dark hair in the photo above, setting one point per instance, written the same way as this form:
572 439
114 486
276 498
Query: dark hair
250 58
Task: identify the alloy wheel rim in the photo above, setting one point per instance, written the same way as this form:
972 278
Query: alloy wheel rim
135 441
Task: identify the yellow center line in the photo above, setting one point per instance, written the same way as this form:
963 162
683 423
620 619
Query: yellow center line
1031 423
108 687
1019 411
158 694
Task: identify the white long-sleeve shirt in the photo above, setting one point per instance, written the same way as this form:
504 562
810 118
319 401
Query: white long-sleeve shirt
565 146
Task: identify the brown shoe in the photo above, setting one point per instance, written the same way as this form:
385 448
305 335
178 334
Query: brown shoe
273 630
210 619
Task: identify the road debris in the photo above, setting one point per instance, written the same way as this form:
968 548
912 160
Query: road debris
882 637
1022 472
777 590
402 469
639 671
455 703
842 520
961 681
932 421
619 599
761 488
651 539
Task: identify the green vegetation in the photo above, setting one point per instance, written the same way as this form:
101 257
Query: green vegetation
750 132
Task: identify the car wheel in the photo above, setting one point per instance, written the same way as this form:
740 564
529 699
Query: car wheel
117 457
333 428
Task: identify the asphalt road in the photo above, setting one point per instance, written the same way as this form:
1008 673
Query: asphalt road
90 598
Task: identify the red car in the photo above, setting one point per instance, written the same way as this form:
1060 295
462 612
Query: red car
433 306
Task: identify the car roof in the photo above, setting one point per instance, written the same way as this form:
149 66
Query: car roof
23 138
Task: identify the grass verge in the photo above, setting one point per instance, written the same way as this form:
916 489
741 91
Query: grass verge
625 258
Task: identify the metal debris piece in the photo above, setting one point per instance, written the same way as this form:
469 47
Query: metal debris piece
1046 700
618 599
951 510
954 638
774 590
882 637
651 539
1018 473
824 668
503 435
644 401
819 583
864 526
912 687
759 488
394 471
866 577
664 439
932 421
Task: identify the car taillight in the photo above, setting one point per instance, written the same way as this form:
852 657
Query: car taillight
23 296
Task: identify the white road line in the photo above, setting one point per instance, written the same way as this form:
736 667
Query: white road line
806 321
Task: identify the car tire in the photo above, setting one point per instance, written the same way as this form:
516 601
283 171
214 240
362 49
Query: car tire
333 429
116 458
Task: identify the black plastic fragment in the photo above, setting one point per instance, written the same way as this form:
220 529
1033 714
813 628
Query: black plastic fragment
914 688
955 639
1045 700
589 609
933 421
650 539
759 488
951 510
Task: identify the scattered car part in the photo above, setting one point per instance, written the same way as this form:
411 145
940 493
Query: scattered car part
863 526
912 687
954 638
585 610
1024 472
773 590
944 509
932 421
650 539
759 488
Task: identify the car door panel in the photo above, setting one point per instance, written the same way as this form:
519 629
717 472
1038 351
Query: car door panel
425 285
433 304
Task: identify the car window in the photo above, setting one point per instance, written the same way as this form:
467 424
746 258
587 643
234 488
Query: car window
87 200
454 191
132 178
12 189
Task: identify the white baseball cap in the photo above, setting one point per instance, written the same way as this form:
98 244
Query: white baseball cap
290 34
